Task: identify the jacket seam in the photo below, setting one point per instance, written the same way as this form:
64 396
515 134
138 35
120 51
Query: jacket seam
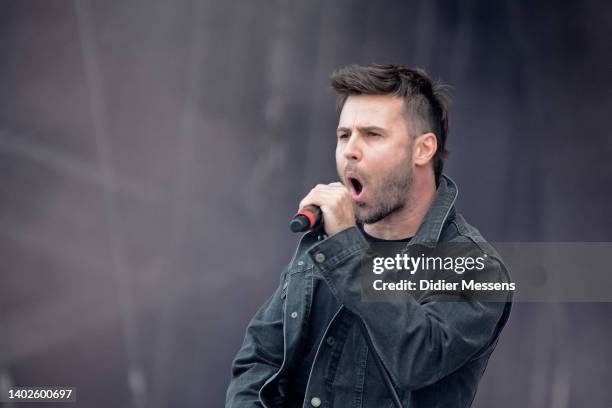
341 257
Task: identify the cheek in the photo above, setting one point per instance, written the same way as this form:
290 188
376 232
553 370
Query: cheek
383 165
381 170
339 160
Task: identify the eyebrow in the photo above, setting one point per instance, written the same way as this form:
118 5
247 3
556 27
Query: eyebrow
361 129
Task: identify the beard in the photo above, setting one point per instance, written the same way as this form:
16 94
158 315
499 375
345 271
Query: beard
389 194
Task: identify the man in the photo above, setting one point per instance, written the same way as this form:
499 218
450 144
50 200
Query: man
317 341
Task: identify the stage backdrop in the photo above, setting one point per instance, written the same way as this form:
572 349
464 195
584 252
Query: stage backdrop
151 153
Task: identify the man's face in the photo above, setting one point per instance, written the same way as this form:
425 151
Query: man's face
374 155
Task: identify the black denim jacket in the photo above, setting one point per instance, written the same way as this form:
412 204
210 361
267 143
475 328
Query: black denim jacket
422 352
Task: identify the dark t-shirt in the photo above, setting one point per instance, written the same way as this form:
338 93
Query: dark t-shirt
324 306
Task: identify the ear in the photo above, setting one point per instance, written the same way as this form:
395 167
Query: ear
425 146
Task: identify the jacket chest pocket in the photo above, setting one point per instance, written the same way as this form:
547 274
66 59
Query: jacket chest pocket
299 270
296 295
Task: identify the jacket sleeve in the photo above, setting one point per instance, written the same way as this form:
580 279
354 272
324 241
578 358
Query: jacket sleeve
418 342
261 354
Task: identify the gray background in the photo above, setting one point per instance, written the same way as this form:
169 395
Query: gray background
151 153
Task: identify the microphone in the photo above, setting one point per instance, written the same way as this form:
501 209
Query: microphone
309 217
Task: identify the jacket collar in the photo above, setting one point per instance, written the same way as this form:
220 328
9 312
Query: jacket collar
441 209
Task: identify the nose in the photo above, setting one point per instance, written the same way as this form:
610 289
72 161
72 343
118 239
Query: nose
352 149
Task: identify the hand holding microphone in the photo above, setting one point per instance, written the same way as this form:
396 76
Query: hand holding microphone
329 202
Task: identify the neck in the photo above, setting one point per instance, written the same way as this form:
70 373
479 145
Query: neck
405 222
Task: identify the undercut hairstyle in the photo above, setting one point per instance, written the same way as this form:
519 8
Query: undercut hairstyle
426 102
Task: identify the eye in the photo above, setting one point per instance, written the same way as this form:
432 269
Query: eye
373 134
342 136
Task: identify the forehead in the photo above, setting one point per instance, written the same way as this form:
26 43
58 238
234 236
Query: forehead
371 110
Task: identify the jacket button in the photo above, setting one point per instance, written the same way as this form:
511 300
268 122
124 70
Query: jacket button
293 315
331 341
320 257
315 402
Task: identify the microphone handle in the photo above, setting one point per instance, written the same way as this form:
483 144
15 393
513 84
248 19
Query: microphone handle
309 217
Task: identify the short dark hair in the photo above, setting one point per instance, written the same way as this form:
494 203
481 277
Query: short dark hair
426 102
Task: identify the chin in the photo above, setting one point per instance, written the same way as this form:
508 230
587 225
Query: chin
366 218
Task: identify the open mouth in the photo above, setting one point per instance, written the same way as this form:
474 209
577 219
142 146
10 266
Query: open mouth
356 185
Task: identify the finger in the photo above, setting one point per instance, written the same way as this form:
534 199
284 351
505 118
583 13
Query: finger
337 186
332 187
322 199
315 197
322 187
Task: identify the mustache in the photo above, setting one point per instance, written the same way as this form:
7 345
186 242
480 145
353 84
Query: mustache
353 169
